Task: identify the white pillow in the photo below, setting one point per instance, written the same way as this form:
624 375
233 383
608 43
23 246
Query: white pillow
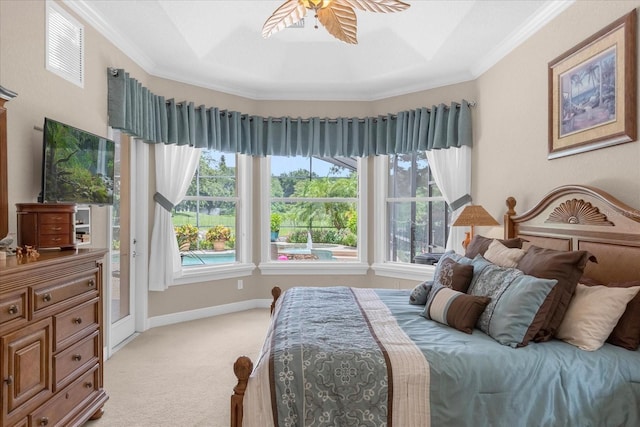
503 256
592 314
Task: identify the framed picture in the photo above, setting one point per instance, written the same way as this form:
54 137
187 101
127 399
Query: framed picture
592 91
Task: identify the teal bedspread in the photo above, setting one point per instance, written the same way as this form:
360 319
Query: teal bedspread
328 362
477 382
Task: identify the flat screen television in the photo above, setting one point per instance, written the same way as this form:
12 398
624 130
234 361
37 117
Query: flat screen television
77 166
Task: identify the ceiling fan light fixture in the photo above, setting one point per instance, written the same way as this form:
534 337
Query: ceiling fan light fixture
337 16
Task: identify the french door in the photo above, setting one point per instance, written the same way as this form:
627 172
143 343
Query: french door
121 311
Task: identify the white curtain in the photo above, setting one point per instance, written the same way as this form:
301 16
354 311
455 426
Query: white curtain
451 169
175 166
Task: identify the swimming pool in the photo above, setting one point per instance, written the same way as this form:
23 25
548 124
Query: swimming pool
207 258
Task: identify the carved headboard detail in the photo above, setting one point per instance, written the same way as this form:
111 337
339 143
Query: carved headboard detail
577 211
577 217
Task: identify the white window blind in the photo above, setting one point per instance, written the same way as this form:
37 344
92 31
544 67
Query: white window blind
64 45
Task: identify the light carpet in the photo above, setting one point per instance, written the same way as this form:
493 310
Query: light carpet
180 375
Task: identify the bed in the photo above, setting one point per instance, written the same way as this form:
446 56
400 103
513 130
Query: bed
540 328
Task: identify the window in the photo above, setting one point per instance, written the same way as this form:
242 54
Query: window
313 207
416 214
206 221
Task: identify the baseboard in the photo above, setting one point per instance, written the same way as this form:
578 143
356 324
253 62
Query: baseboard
201 313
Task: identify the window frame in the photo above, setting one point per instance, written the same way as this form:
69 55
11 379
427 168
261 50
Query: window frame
270 267
244 248
381 266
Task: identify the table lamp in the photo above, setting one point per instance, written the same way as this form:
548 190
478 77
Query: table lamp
473 215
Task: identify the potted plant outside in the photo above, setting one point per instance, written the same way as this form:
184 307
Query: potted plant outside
187 236
276 222
218 236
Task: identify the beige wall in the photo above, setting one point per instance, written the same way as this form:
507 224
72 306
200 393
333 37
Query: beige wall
510 129
510 124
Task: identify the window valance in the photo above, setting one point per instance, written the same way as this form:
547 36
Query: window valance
136 110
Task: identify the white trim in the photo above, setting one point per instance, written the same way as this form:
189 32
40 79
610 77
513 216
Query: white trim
545 15
141 281
210 273
201 313
407 271
316 268
244 175
380 187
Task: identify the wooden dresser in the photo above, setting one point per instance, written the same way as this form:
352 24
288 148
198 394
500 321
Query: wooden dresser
51 331
46 225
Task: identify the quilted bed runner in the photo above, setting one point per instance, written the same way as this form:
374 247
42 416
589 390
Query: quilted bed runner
318 368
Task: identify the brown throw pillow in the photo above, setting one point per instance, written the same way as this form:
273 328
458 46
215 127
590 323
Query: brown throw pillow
458 310
480 244
626 334
564 266
454 275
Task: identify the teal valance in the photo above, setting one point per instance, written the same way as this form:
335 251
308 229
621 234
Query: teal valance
152 118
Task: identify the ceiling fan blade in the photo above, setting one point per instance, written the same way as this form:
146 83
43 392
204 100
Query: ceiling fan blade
340 21
287 14
382 6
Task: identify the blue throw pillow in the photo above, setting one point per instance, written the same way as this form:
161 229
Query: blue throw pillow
420 293
510 317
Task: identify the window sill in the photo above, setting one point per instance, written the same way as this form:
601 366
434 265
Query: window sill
210 273
398 270
313 268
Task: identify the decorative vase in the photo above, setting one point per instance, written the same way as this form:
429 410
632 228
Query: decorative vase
218 245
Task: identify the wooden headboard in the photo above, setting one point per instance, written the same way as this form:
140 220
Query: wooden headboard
574 217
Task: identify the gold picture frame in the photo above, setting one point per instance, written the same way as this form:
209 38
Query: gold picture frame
592 91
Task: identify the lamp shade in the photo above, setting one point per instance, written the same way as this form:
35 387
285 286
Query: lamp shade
474 215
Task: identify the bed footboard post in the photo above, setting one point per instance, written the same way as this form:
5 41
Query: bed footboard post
275 292
509 227
242 369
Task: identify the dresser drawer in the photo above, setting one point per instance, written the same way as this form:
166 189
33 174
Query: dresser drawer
49 229
55 218
71 362
71 324
13 308
66 402
53 294
55 240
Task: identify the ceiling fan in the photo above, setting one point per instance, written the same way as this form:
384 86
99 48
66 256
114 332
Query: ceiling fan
337 16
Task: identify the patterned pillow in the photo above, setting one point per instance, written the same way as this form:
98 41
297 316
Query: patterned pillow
453 308
503 256
593 313
450 255
626 334
454 275
420 293
564 266
516 311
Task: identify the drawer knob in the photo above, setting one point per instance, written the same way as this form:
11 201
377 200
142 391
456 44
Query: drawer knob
46 297
92 283
8 380
57 228
77 320
77 357
13 309
88 384
44 421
